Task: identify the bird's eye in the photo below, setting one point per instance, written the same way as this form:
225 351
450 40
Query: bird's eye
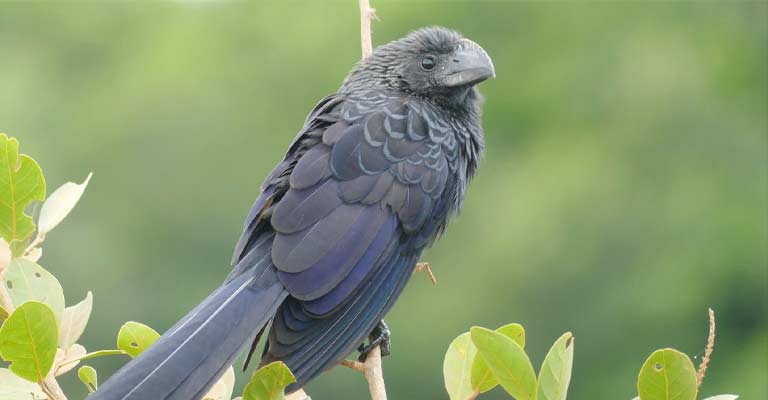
428 63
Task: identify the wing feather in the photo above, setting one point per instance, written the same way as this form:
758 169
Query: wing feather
359 187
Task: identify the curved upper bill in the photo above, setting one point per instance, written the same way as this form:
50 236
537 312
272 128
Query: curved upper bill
469 65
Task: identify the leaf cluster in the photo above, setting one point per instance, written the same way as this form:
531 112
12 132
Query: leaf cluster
39 333
481 359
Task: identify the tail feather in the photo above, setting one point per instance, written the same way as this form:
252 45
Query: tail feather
188 359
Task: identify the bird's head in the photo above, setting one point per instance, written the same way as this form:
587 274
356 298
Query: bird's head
435 63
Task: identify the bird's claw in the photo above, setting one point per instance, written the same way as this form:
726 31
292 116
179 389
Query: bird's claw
380 336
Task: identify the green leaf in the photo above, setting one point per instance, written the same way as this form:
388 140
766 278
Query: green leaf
269 382
89 377
456 367
59 204
482 378
74 320
3 314
723 397
555 373
28 281
507 361
667 374
21 182
28 341
135 337
13 387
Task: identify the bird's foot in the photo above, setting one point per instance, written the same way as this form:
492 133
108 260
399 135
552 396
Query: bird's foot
380 336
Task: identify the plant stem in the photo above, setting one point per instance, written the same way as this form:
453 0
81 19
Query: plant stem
52 389
707 350
366 15
374 375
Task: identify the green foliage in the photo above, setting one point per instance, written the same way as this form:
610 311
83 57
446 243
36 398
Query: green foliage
482 378
31 340
89 377
507 361
466 372
21 182
28 340
28 281
555 373
269 382
134 337
39 337
457 367
667 374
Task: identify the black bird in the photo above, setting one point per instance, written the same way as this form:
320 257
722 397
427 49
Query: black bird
371 179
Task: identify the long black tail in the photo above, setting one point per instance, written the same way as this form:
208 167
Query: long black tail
191 356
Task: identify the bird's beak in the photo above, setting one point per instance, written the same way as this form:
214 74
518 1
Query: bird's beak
469 65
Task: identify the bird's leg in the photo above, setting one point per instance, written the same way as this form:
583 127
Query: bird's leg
380 336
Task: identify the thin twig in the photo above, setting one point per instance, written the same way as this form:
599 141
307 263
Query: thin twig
707 350
355 365
425 266
367 14
52 389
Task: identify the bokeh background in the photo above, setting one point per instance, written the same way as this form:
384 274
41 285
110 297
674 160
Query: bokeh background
624 189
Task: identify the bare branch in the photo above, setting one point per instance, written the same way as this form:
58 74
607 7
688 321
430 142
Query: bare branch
374 375
372 371
707 350
367 14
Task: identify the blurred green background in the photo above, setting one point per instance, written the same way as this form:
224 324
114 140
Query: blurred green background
623 192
